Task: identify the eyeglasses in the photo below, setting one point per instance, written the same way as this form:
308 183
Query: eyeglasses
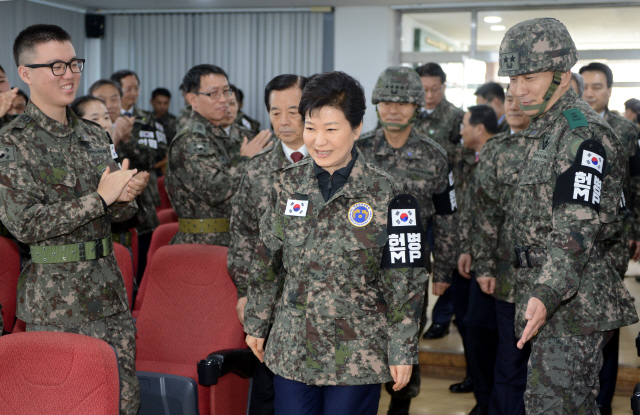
217 94
60 68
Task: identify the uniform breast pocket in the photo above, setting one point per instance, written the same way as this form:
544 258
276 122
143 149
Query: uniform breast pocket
296 232
535 184
59 183
361 261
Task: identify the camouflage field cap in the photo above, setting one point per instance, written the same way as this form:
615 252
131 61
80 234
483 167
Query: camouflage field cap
537 45
398 84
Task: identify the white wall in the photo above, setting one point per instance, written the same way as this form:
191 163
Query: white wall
365 44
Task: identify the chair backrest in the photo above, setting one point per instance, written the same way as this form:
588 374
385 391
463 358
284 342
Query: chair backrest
9 274
58 373
165 203
167 216
162 235
189 312
125 263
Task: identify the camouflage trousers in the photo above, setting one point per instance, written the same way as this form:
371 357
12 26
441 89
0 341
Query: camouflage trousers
120 332
413 387
562 374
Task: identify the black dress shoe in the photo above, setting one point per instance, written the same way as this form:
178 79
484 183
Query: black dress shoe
465 386
399 406
479 410
604 410
436 331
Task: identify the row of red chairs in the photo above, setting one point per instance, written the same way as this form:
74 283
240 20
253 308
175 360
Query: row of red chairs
188 311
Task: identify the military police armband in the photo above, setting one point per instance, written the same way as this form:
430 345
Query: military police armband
581 184
404 248
445 202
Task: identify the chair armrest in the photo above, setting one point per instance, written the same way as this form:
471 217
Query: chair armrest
242 362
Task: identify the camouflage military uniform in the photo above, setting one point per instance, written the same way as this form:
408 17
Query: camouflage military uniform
203 173
48 182
248 123
170 124
341 320
494 184
466 167
249 204
617 247
566 206
183 116
5 119
443 126
237 133
422 168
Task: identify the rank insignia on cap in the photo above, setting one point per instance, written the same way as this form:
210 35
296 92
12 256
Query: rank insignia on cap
360 214
403 217
296 207
509 61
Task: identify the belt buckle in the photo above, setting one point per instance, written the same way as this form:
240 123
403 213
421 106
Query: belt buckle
522 256
99 249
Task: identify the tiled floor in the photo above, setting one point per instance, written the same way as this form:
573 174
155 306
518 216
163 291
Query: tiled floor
436 399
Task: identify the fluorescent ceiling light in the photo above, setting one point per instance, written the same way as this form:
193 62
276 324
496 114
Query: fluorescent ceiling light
497 28
492 19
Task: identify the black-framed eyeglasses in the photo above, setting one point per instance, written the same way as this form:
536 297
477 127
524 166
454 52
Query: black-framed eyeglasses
60 68
217 94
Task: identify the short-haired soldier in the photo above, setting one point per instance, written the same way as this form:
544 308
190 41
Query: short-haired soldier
60 189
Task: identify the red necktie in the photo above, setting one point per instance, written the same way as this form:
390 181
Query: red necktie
296 156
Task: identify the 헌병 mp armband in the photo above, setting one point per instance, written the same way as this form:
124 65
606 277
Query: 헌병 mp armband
445 202
581 184
404 249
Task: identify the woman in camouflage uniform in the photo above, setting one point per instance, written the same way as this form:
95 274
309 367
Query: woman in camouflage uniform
346 321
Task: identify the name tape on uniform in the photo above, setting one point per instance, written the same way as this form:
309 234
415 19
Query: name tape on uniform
296 207
147 134
149 142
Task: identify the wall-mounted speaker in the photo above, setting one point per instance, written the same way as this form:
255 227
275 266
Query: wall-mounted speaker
94 25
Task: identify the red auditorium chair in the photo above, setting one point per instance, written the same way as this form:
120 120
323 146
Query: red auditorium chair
58 373
20 326
165 203
167 216
134 249
9 274
125 263
189 311
161 237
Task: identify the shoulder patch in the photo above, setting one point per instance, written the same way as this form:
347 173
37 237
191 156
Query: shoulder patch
199 148
575 144
199 128
576 118
7 154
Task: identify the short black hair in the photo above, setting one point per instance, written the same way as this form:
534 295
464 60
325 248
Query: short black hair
191 81
161 91
2 69
239 95
337 90
485 115
432 69
632 104
35 35
123 73
491 90
78 105
101 82
234 90
600 67
23 94
282 82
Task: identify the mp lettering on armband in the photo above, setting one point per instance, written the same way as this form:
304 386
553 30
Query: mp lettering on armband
404 247
581 183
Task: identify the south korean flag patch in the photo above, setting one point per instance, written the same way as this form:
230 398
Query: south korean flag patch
405 245
581 184
114 155
296 207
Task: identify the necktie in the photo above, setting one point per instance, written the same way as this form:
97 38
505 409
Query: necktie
296 156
